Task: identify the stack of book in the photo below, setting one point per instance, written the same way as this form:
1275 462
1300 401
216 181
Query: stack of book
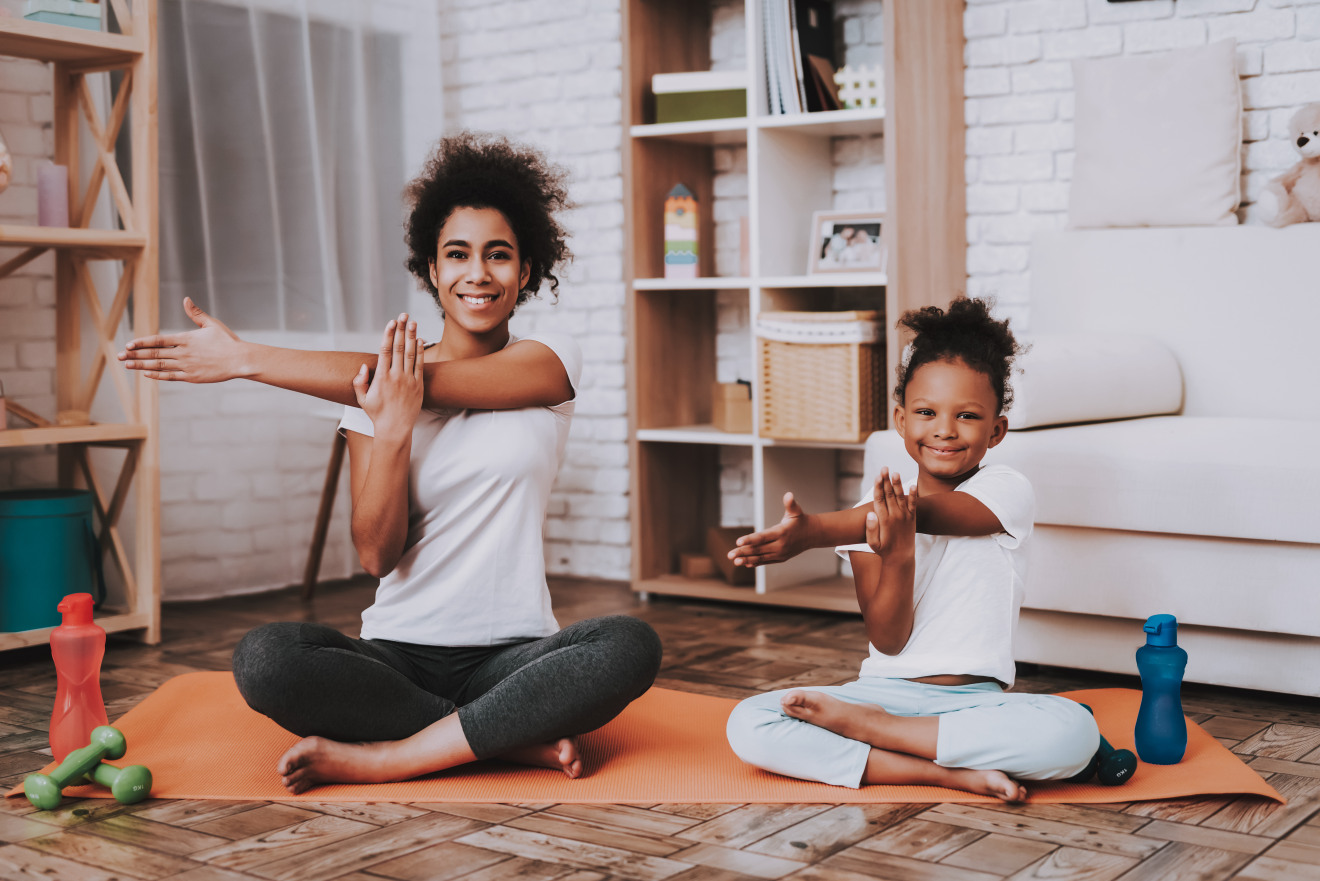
799 55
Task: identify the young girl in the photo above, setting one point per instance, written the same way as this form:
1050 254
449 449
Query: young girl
453 453
939 581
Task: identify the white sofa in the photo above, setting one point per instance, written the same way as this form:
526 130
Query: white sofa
1212 514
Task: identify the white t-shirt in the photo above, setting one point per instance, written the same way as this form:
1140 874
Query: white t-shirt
473 566
966 589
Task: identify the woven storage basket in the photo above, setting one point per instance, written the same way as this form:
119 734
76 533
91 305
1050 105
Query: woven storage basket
821 375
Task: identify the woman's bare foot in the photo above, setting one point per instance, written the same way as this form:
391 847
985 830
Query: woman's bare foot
995 783
316 760
864 722
562 754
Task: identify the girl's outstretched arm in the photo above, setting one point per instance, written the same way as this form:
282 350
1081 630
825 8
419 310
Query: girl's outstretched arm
524 374
949 513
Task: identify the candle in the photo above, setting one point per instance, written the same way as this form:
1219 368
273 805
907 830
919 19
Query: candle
52 195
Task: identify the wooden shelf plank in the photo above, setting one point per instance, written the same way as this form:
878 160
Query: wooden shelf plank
830 594
827 280
112 621
695 434
827 123
109 243
719 283
701 131
20 38
71 434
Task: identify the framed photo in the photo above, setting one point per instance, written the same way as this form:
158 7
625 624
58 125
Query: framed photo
847 241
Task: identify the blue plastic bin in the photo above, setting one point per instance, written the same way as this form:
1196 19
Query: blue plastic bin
47 551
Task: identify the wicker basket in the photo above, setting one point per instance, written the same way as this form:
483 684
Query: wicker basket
821 375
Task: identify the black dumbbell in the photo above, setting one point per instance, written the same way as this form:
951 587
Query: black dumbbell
1111 766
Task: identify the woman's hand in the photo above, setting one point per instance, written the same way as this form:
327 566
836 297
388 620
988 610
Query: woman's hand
891 526
780 542
212 353
393 397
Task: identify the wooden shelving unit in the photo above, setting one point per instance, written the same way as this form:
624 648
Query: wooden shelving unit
83 365
674 447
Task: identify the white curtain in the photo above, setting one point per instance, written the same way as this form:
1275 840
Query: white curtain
288 129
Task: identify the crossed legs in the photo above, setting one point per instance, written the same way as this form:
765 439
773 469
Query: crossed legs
374 711
975 738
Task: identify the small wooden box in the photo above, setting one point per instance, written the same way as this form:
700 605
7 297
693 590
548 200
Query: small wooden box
696 566
719 541
732 410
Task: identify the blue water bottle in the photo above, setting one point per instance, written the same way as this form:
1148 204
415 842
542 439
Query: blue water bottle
1161 731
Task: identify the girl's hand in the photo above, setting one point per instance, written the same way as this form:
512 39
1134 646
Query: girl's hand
891 527
394 396
212 353
780 542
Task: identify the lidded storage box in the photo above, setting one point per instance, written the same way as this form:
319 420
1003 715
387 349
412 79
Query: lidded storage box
821 375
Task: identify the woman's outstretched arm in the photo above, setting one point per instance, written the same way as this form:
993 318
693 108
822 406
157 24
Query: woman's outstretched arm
525 374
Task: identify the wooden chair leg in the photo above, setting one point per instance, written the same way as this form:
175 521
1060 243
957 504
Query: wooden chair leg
323 515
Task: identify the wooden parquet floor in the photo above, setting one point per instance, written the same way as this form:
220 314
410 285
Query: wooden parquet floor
732 651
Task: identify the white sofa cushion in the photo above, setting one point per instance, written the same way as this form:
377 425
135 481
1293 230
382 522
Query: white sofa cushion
1090 377
1209 476
1158 139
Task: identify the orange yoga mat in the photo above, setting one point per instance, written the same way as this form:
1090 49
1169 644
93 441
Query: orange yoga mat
201 742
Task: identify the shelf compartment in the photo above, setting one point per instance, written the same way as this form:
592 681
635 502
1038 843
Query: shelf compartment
674 358
111 621
681 485
656 166
110 244
20 38
827 123
72 434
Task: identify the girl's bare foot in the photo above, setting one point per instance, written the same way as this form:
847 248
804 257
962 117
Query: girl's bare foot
864 722
316 760
562 754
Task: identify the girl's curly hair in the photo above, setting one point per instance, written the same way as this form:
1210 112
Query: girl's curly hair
471 170
967 333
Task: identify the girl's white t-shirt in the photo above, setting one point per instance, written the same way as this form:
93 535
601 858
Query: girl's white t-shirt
473 566
967 590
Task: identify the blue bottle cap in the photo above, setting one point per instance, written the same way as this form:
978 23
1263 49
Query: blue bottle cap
1161 630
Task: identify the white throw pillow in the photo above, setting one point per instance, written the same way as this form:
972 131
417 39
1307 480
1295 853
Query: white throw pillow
1158 139
1092 377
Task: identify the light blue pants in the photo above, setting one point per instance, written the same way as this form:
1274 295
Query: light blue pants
1027 736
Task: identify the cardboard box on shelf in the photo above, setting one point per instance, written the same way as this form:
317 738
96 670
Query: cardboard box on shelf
703 94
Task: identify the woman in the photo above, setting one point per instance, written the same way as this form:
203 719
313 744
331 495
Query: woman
452 454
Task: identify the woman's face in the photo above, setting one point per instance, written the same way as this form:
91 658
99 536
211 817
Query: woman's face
477 271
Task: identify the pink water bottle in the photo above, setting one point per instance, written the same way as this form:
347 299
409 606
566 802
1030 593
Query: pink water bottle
77 646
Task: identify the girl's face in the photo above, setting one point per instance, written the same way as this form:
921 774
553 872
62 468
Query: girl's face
949 418
477 271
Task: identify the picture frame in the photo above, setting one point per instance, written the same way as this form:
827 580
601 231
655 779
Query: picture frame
847 241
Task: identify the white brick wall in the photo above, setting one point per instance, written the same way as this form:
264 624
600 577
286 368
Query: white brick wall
1020 106
239 504
27 298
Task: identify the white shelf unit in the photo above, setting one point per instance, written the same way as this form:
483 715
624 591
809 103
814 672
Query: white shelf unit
675 450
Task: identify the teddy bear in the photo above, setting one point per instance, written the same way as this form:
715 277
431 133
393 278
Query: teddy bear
1296 192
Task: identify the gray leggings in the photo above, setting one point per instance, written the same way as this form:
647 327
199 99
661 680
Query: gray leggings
313 680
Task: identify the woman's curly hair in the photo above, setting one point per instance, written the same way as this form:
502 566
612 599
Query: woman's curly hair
471 170
967 333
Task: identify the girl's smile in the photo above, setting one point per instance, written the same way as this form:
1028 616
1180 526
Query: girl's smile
948 419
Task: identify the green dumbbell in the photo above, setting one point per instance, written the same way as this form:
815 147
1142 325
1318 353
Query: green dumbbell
45 791
129 785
